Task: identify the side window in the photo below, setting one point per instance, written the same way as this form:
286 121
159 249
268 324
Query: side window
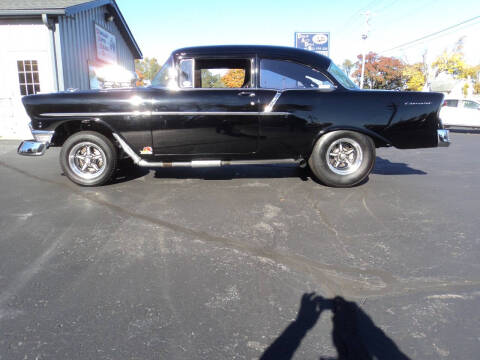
470 105
280 74
451 103
186 73
222 73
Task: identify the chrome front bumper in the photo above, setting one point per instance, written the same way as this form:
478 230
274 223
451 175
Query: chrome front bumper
443 137
38 146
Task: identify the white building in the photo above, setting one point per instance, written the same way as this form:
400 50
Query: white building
55 45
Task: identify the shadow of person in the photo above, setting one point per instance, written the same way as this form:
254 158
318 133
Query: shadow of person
354 334
287 343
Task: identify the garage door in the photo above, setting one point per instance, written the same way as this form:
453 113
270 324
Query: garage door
28 73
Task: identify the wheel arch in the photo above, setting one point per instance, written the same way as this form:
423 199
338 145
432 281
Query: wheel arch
379 140
67 128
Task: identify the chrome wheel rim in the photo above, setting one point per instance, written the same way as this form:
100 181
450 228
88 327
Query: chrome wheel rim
87 160
344 156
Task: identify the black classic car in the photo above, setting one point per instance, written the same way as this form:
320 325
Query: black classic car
230 105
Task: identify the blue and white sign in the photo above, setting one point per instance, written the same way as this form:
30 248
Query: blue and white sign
313 41
106 45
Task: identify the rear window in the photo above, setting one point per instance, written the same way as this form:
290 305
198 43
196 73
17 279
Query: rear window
451 103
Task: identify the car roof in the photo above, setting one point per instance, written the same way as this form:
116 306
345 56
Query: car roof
267 51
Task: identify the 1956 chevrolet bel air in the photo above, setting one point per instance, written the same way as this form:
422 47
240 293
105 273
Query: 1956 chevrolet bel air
228 105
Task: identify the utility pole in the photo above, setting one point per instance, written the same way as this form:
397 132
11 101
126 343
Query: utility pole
366 31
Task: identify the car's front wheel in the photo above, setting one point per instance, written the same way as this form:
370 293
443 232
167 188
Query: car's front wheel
88 158
342 158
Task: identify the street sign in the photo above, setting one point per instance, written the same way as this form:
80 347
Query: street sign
313 41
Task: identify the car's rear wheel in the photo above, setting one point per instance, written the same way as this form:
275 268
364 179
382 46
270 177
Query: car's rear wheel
88 158
342 158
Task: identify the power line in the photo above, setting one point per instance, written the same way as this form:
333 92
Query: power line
386 6
430 35
350 20
437 36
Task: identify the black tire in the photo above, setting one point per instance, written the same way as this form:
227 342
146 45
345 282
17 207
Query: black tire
362 158
94 148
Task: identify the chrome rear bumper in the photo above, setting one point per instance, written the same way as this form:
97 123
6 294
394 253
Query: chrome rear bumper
443 137
32 148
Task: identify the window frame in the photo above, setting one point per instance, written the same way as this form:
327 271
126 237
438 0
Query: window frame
28 77
327 76
253 70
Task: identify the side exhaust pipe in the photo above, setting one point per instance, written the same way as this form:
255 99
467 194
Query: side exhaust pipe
201 163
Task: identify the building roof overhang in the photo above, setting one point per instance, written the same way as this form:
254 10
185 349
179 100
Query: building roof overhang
24 9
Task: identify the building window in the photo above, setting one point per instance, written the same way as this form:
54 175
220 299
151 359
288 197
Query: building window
28 77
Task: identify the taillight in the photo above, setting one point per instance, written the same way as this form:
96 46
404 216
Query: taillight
444 103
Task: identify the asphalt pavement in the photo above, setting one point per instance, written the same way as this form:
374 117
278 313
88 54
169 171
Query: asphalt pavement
213 263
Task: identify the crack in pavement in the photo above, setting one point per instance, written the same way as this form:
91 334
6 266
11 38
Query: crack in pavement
337 279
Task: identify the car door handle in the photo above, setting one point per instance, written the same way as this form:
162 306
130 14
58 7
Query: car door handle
246 93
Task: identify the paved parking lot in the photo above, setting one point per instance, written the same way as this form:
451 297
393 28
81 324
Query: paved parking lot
213 263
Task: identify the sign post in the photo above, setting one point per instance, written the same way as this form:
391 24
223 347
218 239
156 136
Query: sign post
313 41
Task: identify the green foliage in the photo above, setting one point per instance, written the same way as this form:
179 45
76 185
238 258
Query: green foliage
465 89
414 76
381 72
211 81
146 69
348 66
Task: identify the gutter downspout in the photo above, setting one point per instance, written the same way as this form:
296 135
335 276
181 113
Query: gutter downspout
50 24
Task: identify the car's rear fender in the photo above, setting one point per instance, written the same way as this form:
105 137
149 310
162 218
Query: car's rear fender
416 121
379 140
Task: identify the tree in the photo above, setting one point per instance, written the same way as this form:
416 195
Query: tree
210 80
234 78
476 87
146 70
452 63
348 66
380 72
414 76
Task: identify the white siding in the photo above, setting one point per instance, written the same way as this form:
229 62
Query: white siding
77 38
21 40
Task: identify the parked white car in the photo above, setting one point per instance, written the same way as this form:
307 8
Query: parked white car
460 112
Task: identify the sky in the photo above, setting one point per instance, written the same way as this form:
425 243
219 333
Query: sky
163 26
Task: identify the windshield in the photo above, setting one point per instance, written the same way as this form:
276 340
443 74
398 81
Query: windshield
341 77
166 76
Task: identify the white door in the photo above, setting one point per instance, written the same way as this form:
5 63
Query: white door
26 73
471 113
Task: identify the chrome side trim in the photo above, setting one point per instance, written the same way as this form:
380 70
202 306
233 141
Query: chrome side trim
269 107
443 137
221 113
174 113
82 114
